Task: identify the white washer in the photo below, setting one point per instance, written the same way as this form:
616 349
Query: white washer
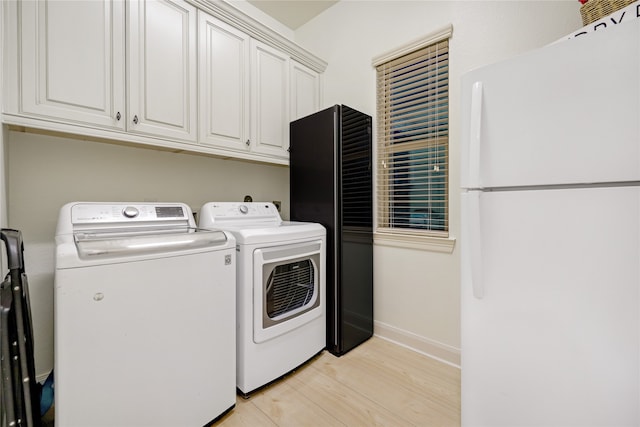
143 308
280 289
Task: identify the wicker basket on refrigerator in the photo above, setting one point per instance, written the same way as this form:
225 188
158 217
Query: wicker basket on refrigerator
593 10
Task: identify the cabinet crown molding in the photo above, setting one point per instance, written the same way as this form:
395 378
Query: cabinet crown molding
232 16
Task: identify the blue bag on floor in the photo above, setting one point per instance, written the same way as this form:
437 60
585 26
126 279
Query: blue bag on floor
46 395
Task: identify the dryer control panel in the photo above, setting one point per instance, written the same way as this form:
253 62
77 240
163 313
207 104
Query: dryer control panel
224 212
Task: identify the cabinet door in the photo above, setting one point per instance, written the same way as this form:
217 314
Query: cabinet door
72 65
305 91
162 69
224 84
269 100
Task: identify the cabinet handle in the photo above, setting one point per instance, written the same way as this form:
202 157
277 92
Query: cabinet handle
118 116
248 143
135 119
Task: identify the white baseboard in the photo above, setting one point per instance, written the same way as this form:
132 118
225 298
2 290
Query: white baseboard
436 350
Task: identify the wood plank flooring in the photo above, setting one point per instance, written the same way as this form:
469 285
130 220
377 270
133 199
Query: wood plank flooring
376 384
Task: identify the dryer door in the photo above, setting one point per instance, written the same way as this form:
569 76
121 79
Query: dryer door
287 291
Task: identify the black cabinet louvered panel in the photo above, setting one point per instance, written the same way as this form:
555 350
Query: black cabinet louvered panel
356 188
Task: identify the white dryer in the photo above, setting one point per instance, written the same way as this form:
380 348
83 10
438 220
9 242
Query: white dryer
281 320
143 307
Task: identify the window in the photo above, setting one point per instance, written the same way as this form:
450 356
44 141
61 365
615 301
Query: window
413 139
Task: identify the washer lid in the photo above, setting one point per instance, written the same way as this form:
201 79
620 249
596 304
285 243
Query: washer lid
110 245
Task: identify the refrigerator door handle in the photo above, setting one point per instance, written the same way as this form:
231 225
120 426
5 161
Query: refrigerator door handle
475 244
475 130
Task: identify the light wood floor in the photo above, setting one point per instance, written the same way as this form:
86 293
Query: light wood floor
376 384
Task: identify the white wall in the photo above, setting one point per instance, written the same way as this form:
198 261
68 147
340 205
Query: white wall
417 292
266 20
3 138
45 172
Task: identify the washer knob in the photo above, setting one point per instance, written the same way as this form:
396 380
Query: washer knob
130 212
244 209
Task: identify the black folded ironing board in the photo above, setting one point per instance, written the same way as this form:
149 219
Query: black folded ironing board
20 394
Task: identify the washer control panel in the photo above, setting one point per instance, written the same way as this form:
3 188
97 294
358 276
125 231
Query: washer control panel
130 212
92 213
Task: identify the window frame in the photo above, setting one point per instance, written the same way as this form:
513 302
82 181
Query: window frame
410 237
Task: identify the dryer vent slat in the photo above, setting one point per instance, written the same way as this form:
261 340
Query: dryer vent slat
290 286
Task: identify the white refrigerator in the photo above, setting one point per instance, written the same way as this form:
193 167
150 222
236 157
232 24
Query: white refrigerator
550 239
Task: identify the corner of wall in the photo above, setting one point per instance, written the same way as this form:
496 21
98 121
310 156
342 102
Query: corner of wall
255 13
436 350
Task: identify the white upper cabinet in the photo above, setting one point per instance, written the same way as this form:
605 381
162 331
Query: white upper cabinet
72 61
162 69
249 91
160 73
73 64
305 91
269 100
223 84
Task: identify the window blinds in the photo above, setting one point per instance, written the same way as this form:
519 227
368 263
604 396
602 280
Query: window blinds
413 139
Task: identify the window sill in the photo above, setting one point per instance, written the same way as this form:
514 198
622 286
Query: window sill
423 243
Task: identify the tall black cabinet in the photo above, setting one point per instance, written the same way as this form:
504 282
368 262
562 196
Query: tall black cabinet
331 184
